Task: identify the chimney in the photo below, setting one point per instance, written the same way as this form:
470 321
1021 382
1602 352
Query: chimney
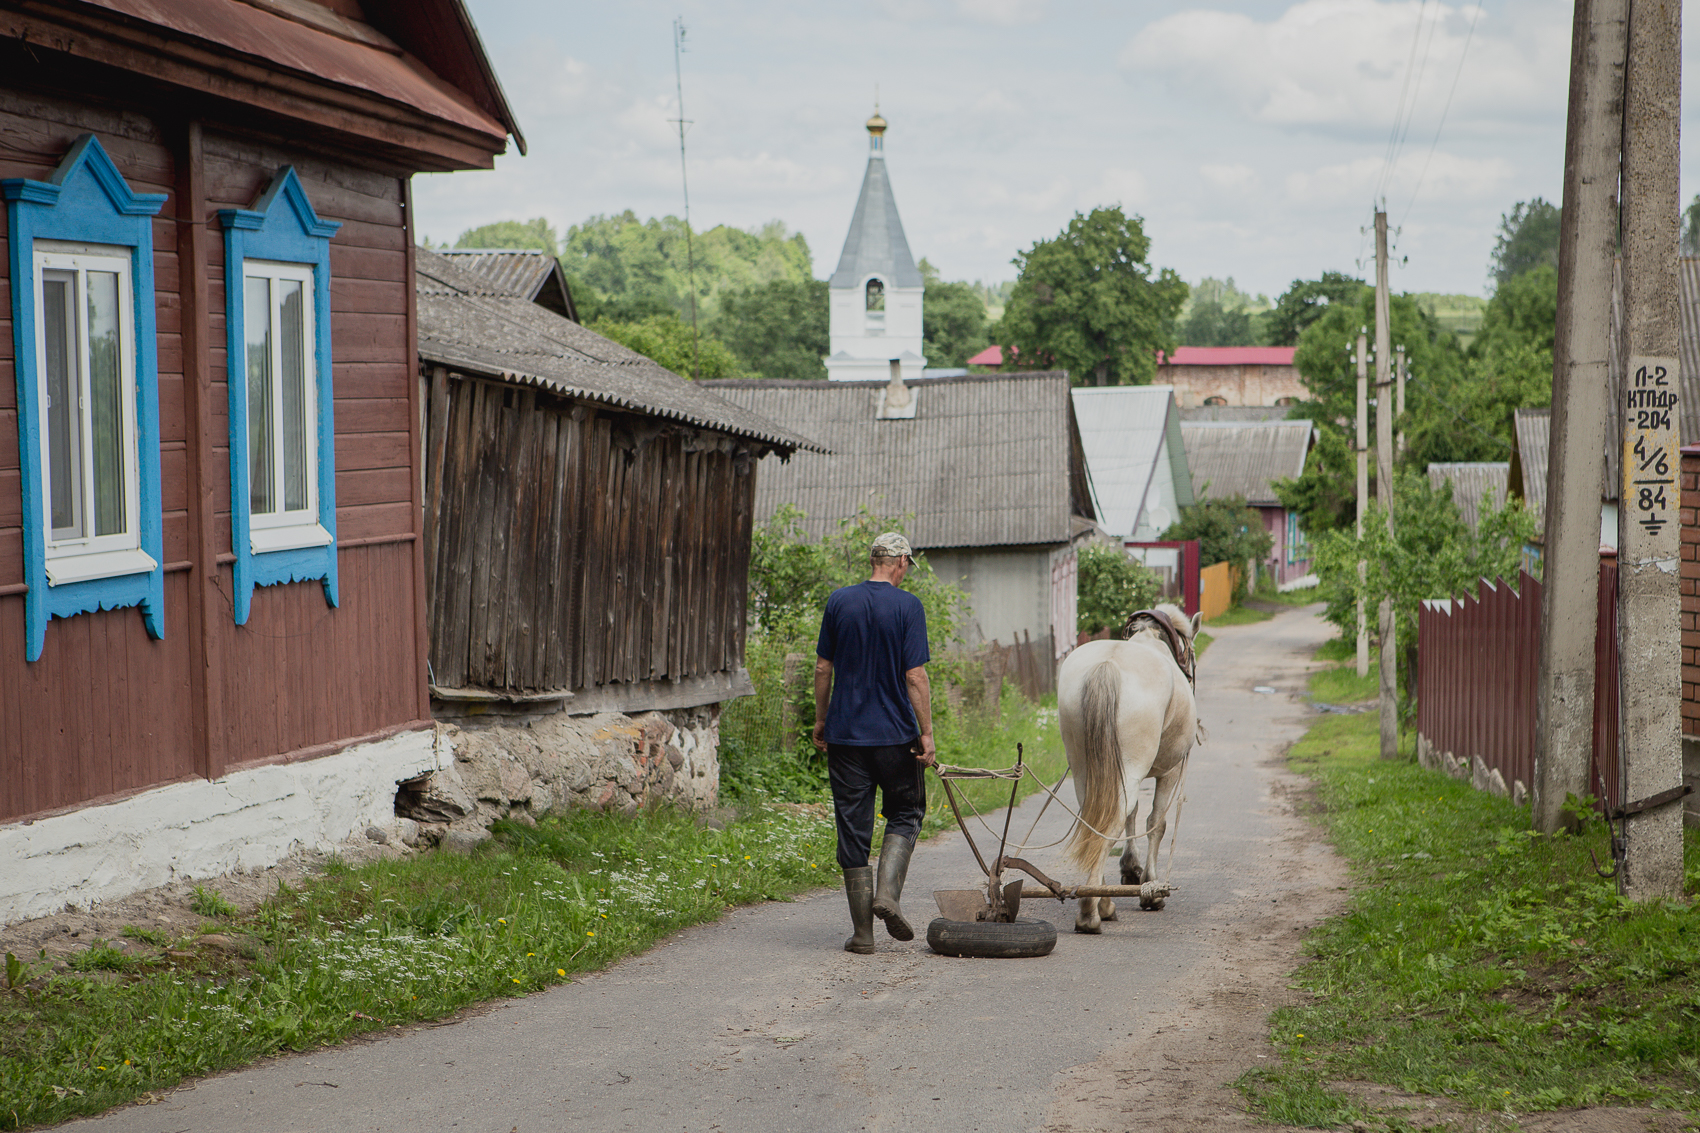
896 400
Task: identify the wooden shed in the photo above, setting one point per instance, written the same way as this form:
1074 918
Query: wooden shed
212 602
588 513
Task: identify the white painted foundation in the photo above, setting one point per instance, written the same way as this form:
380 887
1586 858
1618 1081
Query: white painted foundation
247 820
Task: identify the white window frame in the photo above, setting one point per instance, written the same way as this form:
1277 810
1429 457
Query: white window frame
288 530
90 556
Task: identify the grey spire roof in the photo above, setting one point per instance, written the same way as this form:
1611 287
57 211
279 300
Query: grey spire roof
876 245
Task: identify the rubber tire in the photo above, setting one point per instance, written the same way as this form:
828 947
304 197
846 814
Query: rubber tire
992 939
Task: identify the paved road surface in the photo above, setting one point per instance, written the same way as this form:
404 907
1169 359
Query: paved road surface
761 1023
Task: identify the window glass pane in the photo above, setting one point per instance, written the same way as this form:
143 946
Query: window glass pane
64 432
292 383
106 403
257 324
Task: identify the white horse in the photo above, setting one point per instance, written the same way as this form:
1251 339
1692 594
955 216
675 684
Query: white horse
1127 711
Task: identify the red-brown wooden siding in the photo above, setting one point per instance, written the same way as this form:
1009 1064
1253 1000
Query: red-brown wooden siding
1691 591
108 710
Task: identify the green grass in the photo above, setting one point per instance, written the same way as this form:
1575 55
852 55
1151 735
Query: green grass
1342 685
1238 616
207 903
1477 960
1308 596
981 742
360 949
1201 643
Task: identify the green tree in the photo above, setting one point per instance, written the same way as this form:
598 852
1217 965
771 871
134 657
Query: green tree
1089 302
536 234
1691 228
1325 494
777 329
1111 586
666 341
1219 314
953 319
1227 531
1528 238
1305 302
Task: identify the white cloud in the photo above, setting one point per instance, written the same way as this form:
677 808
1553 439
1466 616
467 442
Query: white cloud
1005 13
1447 176
1343 64
1230 178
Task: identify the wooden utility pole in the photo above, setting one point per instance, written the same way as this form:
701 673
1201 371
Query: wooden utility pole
1384 399
1649 599
1581 411
1363 490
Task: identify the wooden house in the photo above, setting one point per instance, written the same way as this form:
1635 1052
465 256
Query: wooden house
212 599
587 512
1245 458
988 470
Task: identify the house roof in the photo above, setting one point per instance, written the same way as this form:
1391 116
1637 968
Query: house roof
474 326
1122 430
529 272
1243 458
1530 430
875 245
987 460
1472 483
1233 413
427 86
1228 356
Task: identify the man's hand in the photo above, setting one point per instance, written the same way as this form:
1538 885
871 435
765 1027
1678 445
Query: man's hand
819 734
926 752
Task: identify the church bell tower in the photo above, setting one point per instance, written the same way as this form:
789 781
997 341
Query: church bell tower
875 294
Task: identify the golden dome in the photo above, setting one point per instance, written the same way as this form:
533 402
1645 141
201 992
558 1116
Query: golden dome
876 124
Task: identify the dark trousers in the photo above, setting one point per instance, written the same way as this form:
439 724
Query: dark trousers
854 773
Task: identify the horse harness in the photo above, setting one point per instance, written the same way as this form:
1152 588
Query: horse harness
1185 658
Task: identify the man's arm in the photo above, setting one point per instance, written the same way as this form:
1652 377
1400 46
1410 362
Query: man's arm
921 699
823 693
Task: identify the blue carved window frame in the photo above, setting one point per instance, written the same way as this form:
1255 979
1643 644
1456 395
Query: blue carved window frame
86 200
281 226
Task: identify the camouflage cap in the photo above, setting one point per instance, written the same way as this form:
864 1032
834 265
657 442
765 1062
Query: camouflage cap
891 545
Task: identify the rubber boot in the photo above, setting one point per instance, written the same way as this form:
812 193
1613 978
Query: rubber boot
859 887
894 866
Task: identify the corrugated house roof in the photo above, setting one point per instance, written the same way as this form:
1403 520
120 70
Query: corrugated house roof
1530 430
1122 429
1473 482
1233 413
528 272
987 460
1241 458
1229 356
471 325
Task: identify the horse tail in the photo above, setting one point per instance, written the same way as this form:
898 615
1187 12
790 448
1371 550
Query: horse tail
1098 774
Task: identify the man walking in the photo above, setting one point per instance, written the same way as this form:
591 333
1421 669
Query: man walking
877 731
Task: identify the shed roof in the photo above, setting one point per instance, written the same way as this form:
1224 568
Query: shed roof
1472 483
474 326
1243 458
987 460
876 245
528 272
1122 430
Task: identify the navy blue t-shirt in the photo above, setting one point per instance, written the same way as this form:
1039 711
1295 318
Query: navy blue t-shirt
873 633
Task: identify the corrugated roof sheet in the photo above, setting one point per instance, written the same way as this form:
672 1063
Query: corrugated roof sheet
988 459
1229 356
1122 430
1531 429
1688 347
1233 413
876 245
1244 458
1472 483
523 271
471 325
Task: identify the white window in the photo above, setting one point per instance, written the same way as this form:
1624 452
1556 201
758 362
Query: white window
283 407
86 383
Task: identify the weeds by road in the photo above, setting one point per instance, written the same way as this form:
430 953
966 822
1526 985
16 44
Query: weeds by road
388 943
1239 616
1478 960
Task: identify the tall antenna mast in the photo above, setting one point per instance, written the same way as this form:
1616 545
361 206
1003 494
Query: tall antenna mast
684 179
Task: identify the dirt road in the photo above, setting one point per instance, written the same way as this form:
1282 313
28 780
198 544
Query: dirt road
760 1022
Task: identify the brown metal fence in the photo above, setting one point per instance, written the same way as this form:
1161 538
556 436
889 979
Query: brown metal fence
1478 661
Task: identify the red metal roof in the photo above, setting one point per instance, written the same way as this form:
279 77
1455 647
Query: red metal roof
990 356
1229 356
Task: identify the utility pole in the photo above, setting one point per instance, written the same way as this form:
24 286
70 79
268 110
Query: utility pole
1384 403
1649 599
1363 490
1581 411
1399 357
685 181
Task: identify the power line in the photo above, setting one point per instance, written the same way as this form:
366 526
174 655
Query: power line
1443 112
684 179
1400 108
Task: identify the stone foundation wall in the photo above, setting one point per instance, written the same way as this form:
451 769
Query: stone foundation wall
607 761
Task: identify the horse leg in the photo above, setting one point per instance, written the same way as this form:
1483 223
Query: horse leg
1130 856
1166 786
1088 918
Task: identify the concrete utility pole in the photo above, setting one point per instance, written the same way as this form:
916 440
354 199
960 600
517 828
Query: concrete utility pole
1581 410
1363 490
1399 410
1649 599
1384 402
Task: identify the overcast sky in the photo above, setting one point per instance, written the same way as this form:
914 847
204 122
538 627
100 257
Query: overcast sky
1252 137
